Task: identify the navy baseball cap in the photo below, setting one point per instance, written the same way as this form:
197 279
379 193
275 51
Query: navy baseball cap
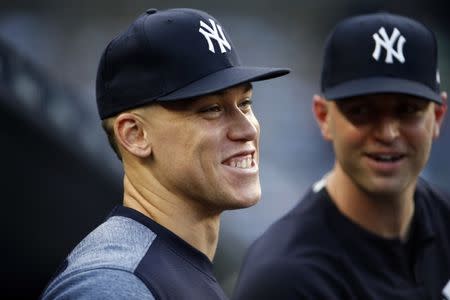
170 55
380 53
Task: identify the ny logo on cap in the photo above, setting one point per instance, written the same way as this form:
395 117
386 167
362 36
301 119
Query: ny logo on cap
388 44
214 32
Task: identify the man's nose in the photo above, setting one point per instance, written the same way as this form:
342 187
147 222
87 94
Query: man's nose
387 129
243 127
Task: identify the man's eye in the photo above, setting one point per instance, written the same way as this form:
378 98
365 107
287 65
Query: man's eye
212 108
245 105
357 110
412 106
409 109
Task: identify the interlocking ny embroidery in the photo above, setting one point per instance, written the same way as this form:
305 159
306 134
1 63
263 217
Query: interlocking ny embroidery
214 32
388 44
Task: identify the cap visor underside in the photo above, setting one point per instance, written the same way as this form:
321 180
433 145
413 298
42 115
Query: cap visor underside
381 85
223 79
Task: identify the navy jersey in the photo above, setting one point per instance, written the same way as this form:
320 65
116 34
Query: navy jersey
315 252
132 257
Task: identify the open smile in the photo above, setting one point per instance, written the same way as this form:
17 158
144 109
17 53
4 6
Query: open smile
385 162
386 157
242 161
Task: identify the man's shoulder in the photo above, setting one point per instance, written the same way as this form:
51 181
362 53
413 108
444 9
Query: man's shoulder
305 277
110 253
429 191
433 206
98 283
119 242
302 227
298 253
433 199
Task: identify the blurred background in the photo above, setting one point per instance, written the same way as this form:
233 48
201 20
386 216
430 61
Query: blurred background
60 179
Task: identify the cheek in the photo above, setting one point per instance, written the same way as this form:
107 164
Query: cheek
174 145
421 133
346 136
201 148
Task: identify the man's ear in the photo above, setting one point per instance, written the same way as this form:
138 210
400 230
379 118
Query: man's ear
439 114
320 110
132 135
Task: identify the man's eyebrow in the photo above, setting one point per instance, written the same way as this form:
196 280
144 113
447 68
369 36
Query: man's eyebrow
247 87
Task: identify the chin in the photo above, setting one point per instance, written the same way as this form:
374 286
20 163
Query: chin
244 200
387 188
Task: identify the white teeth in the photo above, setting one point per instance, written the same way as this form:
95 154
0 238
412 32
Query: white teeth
382 157
241 162
386 157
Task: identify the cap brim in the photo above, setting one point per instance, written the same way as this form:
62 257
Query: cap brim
381 85
223 79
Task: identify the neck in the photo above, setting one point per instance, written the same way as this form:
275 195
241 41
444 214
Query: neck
187 219
388 216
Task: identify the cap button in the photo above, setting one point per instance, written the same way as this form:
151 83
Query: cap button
151 11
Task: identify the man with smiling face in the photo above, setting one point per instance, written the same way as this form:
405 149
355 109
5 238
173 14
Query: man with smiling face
371 228
176 105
